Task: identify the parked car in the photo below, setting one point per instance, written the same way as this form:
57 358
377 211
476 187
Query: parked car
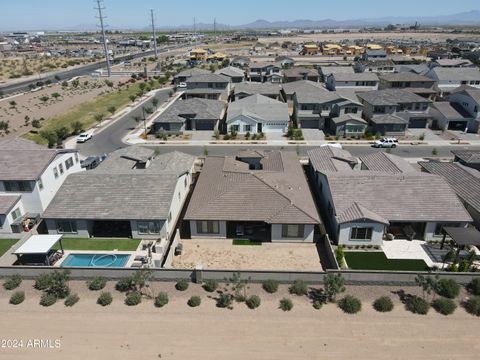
83 137
386 143
92 162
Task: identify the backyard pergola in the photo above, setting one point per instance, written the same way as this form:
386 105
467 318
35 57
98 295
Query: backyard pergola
462 236
38 247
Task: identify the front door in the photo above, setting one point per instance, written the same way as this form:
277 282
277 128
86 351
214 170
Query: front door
259 127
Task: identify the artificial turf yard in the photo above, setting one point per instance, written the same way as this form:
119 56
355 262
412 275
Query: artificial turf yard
362 260
99 244
6 244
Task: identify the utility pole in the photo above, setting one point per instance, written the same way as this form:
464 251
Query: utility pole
104 40
214 27
154 35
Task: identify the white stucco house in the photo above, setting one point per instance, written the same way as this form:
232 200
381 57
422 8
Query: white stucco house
448 79
257 114
30 176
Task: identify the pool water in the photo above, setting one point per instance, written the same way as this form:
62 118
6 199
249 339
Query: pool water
96 260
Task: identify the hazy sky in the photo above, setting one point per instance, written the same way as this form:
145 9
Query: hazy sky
54 14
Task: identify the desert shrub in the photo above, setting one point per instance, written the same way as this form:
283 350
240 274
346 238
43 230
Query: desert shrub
161 299
286 304
417 305
350 304
474 286
42 282
298 288
270 286
134 298
317 305
224 300
124 285
48 299
194 301
181 285
333 284
472 305
12 282
97 283
210 285
71 300
448 288
58 284
383 304
444 306
17 297
105 299
253 302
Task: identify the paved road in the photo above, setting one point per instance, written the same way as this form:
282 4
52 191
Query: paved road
110 139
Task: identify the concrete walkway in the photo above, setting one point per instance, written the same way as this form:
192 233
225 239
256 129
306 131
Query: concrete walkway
413 250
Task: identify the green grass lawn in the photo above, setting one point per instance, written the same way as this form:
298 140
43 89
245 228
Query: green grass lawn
246 242
358 260
99 244
6 244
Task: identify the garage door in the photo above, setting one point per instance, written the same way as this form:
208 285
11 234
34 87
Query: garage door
457 125
204 125
417 123
309 124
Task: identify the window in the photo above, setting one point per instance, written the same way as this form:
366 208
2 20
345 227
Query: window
17 186
208 227
55 172
148 227
76 158
361 233
235 127
16 214
67 227
292 231
379 109
68 163
60 167
40 183
246 128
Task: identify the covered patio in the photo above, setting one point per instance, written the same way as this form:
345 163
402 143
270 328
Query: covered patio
38 250
463 237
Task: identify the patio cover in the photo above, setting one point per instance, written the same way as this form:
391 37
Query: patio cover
38 244
463 236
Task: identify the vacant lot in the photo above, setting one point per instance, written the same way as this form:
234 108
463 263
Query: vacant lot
177 331
221 254
362 260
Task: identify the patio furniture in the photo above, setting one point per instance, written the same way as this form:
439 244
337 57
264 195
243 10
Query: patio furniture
409 232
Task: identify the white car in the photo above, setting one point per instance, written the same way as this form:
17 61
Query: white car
182 85
84 137
386 143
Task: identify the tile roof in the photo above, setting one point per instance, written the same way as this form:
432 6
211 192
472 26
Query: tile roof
316 97
257 88
347 117
387 119
383 162
300 71
228 190
206 78
7 202
302 85
365 76
443 73
331 159
468 156
259 107
327 70
195 108
192 72
450 110
231 71
390 97
357 212
474 93
405 76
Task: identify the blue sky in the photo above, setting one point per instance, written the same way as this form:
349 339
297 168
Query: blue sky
54 14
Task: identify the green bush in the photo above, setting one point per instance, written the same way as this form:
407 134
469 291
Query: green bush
161 299
448 288
42 282
181 285
270 286
71 300
472 305
12 282
224 300
298 288
105 299
253 302
210 285
383 304
134 298
286 304
317 305
417 305
350 304
48 299
17 297
97 283
474 286
444 306
194 301
125 284
54 283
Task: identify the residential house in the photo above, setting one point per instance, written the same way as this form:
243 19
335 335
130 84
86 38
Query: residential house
374 54
285 62
384 198
469 99
182 76
300 73
289 89
463 180
235 74
198 54
420 69
327 70
208 86
259 195
347 125
452 63
468 158
310 49
265 72
417 84
360 81
449 79
244 90
449 116
376 66
240 62
30 176
133 193
257 114
391 111
191 114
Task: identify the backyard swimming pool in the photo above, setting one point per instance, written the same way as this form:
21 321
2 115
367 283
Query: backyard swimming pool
95 260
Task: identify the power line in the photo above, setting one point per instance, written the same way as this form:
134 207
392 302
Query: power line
154 35
104 40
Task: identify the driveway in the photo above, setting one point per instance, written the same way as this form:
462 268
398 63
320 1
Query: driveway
313 135
200 135
427 133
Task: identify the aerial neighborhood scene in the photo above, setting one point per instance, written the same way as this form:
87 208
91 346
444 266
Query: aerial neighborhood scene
192 180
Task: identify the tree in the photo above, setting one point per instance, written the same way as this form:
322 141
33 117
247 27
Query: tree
112 109
44 98
51 138
428 284
132 98
99 118
238 286
56 95
155 102
77 127
333 285
62 133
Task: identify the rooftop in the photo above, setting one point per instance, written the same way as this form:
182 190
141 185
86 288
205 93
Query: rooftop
260 108
450 110
231 71
257 88
302 85
468 156
384 162
365 76
405 77
459 74
390 97
300 71
206 78
7 202
192 72
195 108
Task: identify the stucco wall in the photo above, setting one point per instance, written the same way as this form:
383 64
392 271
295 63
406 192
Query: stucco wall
6 219
344 231
307 234
221 235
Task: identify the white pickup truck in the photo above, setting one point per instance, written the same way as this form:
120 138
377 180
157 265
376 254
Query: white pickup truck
386 143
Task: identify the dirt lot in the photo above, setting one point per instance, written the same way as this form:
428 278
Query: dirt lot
177 331
221 254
